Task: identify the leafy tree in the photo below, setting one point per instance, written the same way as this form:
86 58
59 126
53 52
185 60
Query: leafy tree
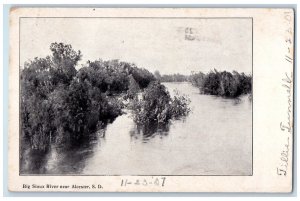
64 60
41 78
142 76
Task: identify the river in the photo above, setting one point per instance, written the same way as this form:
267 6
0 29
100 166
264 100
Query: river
214 139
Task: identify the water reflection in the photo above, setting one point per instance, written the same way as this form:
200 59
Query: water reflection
33 162
61 159
73 160
149 131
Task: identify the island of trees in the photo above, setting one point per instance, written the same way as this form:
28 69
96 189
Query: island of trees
219 83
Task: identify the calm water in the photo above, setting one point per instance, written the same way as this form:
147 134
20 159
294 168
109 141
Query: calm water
214 139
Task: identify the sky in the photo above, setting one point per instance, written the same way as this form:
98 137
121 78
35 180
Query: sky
165 44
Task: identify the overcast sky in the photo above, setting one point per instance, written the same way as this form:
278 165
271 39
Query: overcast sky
168 45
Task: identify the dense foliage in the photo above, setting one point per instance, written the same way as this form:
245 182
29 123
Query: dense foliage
223 83
157 106
60 104
43 82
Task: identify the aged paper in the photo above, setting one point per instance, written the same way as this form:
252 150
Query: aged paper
151 100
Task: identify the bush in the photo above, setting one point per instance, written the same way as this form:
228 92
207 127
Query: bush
180 105
156 105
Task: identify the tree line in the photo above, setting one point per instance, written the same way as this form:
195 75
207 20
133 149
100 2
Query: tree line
220 83
171 78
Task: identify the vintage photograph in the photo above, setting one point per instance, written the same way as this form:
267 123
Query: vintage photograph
136 96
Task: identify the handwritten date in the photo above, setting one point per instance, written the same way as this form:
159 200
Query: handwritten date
153 181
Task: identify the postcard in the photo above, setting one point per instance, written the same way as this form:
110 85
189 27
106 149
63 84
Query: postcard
151 100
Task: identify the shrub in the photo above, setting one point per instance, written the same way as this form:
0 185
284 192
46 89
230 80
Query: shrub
179 105
156 105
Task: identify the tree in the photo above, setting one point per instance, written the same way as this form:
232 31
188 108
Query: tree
41 79
64 60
